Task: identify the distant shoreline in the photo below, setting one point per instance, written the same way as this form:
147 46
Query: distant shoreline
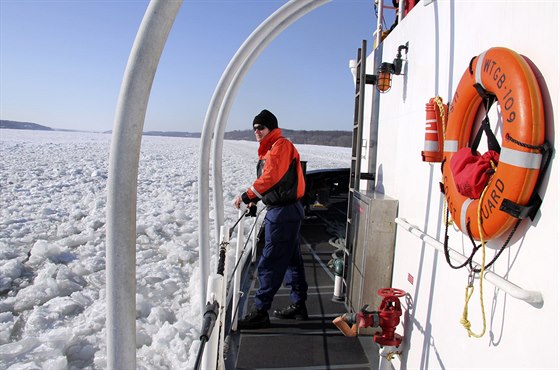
314 137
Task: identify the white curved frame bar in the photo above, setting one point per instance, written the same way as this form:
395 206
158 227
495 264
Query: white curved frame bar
228 101
122 182
532 297
236 69
125 152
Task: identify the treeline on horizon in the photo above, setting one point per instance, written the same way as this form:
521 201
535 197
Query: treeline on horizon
312 137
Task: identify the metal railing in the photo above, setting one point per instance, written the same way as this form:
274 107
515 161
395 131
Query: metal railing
380 7
532 297
225 283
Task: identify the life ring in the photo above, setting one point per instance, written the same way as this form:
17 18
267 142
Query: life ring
507 75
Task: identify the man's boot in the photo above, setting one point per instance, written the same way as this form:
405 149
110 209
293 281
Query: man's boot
296 311
256 319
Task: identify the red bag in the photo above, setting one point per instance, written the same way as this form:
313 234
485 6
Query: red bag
472 172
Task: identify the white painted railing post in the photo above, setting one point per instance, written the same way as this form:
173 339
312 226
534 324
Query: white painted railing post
215 292
213 356
122 182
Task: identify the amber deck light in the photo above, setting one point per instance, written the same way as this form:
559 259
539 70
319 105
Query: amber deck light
384 78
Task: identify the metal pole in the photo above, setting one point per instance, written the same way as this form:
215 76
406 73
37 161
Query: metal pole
401 10
237 273
379 30
122 182
534 298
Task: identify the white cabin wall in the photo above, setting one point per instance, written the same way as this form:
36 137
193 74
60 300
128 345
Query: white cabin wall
518 334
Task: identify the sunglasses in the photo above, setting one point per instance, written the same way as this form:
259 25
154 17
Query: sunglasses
258 127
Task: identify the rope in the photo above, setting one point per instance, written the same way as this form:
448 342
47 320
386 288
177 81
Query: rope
446 245
470 288
200 353
547 153
237 222
449 222
222 258
506 242
439 103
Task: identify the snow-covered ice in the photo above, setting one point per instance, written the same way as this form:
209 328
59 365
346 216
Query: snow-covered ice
52 245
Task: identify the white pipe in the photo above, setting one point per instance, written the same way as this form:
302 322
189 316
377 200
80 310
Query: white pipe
378 31
352 64
401 10
229 74
386 355
122 182
532 297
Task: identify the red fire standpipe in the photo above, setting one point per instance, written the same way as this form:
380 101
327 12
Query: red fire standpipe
390 313
387 318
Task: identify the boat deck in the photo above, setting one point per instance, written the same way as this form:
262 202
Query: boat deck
312 344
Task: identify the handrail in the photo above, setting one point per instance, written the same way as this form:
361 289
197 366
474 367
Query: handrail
378 33
241 258
218 286
532 297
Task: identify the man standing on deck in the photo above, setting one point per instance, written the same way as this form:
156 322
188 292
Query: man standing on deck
280 185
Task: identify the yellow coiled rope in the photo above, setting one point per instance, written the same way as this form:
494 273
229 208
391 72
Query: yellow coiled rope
470 288
439 103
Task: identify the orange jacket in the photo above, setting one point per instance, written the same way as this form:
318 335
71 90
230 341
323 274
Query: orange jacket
280 179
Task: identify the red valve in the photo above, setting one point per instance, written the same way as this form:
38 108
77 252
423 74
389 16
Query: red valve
389 317
388 292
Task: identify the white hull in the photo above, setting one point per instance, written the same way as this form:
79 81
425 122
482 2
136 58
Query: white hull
442 38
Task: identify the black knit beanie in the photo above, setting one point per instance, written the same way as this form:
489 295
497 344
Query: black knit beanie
266 119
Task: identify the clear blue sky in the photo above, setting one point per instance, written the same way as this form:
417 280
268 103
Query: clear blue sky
62 63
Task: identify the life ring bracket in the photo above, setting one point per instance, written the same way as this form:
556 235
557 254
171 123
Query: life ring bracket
530 210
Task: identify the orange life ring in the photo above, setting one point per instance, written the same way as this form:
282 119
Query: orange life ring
508 76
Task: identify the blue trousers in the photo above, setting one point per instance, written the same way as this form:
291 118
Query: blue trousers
281 257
